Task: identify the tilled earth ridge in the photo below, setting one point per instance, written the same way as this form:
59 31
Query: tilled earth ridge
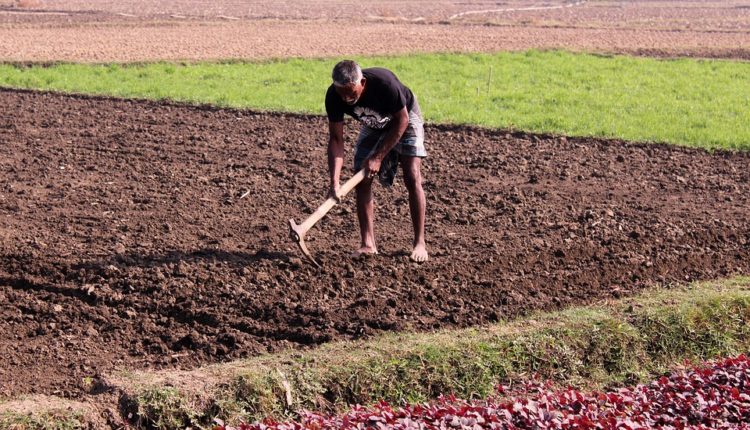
269 40
716 15
133 31
154 235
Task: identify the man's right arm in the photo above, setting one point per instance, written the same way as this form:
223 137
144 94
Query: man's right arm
335 155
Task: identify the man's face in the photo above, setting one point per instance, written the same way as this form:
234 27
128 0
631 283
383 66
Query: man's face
350 93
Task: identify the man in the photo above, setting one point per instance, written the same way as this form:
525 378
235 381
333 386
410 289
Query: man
392 129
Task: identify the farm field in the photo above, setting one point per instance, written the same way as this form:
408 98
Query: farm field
127 31
714 395
687 102
140 235
125 241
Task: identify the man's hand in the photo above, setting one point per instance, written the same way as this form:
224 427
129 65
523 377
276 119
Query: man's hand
373 166
333 191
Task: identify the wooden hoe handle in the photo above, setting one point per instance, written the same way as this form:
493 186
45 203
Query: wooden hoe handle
298 232
330 203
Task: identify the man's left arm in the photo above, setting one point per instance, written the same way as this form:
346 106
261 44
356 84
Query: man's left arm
399 122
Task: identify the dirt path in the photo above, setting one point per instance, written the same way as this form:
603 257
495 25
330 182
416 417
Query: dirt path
87 31
124 241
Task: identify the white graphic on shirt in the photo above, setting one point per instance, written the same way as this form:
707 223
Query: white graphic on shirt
371 118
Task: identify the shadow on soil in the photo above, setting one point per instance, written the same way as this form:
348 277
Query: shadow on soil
233 259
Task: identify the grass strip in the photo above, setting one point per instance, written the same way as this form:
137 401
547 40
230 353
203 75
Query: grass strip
699 103
50 420
44 412
618 342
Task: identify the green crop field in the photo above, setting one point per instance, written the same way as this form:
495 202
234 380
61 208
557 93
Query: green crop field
699 103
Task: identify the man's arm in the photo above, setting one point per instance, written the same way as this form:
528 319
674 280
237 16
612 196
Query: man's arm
335 155
396 129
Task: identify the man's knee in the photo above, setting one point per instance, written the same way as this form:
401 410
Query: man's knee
412 174
364 188
413 180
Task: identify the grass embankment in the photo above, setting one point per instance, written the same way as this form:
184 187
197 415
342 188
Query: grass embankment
618 342
43 413
700 103
44 420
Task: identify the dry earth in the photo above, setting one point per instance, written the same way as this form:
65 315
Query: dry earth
101 31
125 243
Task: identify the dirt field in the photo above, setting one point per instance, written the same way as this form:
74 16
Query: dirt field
101 31
124 241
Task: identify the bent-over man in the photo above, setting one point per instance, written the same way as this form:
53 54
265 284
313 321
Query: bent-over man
392 131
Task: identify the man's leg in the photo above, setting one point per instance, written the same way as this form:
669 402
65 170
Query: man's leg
366 217
368 138
417 205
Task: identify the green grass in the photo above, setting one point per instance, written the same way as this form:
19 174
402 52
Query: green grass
700 103
623 341
166 408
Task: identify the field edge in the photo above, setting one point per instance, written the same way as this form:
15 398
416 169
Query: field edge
618 342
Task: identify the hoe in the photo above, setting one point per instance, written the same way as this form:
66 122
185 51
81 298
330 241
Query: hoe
298 232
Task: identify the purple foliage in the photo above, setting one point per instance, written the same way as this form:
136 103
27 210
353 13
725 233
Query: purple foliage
715 395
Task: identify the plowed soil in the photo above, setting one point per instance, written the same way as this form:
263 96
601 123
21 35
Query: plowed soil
134 30
140 234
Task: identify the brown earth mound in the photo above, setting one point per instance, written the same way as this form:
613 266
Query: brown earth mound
125 240
176 30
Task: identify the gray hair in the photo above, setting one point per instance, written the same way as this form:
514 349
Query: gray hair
346 72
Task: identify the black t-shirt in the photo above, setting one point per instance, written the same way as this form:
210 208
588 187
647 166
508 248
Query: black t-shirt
384 95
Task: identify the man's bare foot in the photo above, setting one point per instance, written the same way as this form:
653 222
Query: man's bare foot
365 251
419 254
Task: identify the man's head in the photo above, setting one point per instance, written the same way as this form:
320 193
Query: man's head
348 81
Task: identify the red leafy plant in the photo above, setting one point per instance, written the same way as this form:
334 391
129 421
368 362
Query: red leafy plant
715 395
